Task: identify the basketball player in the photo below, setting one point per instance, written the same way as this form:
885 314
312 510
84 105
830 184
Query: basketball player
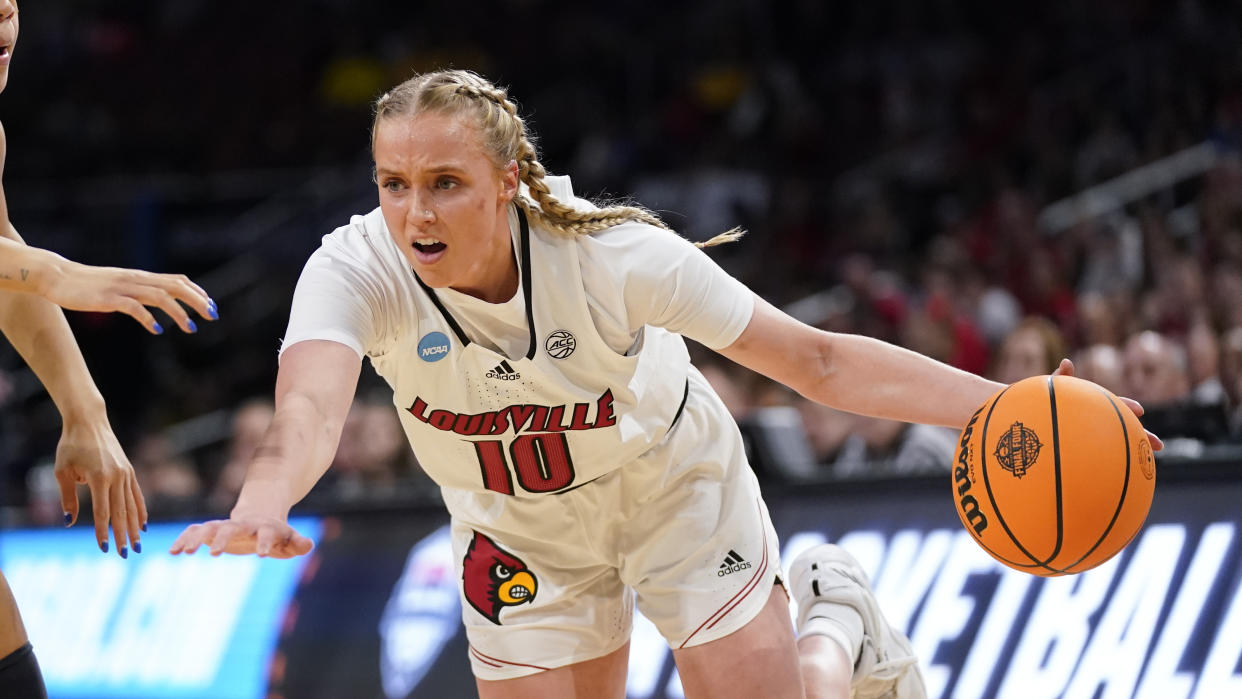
533 344
33 283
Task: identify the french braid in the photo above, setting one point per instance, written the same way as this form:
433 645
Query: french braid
505 137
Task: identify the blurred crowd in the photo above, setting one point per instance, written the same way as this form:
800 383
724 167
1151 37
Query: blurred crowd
891 161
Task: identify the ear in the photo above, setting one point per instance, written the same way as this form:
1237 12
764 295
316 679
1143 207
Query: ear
508 182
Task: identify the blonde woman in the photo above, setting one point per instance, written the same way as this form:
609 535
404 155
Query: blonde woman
34 284
533 342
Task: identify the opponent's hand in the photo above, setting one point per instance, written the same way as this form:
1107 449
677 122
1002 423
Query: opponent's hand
265 536
1066 368
113 289
89 453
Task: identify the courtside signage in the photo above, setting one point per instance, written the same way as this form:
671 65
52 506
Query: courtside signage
155 625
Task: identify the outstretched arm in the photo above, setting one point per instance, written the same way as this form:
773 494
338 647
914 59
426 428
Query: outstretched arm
88 451
314 389
864 375
857 373
33 271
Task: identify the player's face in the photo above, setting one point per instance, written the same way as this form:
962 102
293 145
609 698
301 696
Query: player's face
8 37
446 203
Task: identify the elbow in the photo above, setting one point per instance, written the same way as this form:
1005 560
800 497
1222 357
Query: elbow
821 371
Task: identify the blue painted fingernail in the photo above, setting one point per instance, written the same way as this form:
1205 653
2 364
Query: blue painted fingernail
212 310
137 547
159 329
144 526
193 327
103 546
124 552
68 519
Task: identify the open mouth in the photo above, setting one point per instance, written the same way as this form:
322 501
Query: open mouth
429 246
517 591
429 249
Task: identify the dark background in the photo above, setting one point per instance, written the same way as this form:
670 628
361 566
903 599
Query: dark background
890 158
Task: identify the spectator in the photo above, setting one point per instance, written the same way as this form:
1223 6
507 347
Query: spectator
1155 370
1033 348
169 480
1157 375
1203 363
250 422
1102 364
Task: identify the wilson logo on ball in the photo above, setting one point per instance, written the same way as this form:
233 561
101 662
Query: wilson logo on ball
1017 449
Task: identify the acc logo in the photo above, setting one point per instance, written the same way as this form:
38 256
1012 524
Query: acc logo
560 344
433 347
493 578
1017 449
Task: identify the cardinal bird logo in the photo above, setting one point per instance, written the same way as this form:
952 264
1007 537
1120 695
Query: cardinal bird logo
494 578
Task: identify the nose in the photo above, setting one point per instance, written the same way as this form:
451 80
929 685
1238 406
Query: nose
420 211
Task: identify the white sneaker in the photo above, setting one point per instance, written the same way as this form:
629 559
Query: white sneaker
886 667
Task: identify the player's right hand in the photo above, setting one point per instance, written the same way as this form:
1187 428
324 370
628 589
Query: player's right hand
265 536
82 287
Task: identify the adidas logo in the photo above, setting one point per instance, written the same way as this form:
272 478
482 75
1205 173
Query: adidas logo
733 562
504 372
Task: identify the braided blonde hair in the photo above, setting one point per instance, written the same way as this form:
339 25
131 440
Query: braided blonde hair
505 138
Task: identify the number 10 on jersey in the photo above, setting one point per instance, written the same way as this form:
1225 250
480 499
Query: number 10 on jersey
540 461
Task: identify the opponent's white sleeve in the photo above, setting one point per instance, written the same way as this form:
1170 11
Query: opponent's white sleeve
665 281
338 298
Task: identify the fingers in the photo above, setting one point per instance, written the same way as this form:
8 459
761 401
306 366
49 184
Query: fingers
265 541
68 495
190 539
1133 405
173 288
1156 443
140 503
101 505
300 545
1065 368
137 289
286 544
154 296
138 312
120 518
225 534
1137 408
132 521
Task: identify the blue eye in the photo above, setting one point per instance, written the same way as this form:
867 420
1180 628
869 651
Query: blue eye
392 185
446 183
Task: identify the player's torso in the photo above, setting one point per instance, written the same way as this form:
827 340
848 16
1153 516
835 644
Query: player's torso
564 413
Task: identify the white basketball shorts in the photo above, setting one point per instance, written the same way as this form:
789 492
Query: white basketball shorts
682 531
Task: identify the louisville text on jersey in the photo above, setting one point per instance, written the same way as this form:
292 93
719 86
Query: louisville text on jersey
522 418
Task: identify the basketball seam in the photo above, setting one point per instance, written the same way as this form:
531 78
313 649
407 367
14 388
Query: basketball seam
1125 485
1056 471
987 485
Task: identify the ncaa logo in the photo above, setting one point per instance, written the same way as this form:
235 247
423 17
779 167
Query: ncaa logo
433 347
560 344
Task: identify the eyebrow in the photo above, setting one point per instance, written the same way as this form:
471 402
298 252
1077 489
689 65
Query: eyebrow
451 167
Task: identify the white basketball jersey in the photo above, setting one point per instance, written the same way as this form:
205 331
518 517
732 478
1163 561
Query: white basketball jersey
568 411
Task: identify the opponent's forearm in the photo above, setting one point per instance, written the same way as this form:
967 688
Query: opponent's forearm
295 452
24 268
39 332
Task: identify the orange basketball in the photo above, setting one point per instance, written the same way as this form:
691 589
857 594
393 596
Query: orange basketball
1053 475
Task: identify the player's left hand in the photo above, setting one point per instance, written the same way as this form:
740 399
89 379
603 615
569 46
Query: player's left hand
89 453
1066 368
